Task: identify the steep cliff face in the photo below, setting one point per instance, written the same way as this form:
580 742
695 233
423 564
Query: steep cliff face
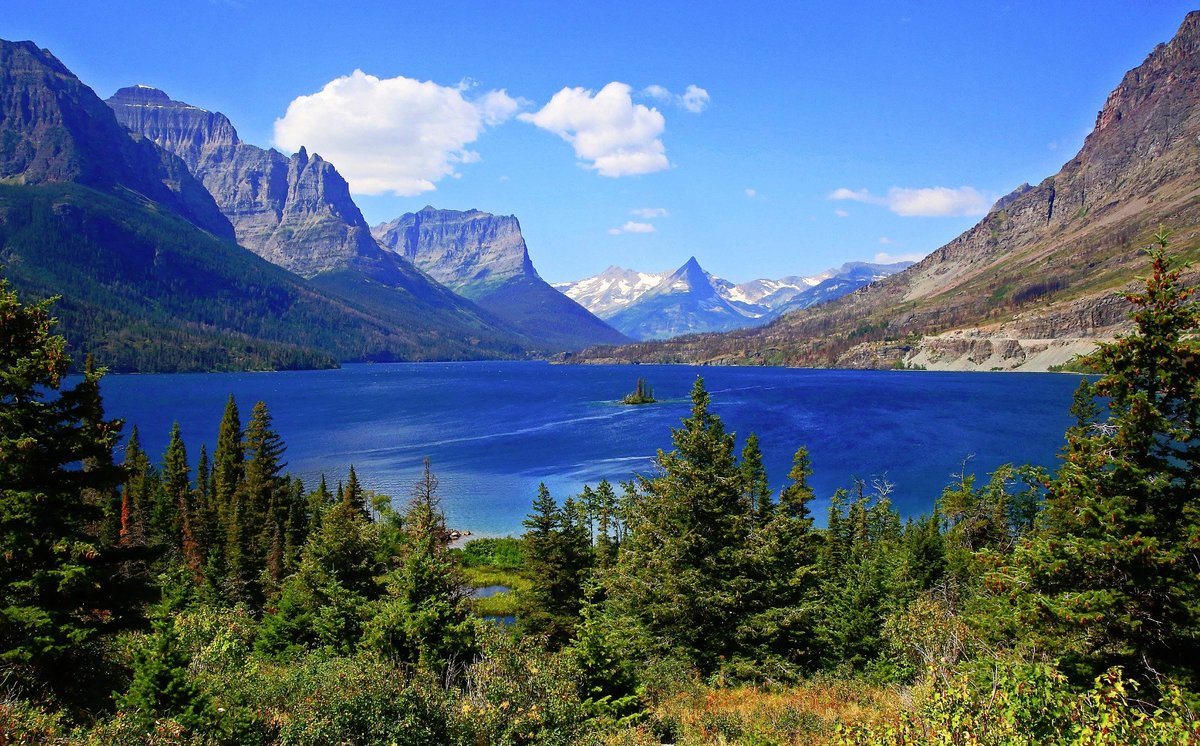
471 252
57 130
484 257
1046 261
294 212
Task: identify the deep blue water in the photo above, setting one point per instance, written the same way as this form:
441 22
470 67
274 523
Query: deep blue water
494 430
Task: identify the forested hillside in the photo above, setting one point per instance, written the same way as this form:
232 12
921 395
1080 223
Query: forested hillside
226 602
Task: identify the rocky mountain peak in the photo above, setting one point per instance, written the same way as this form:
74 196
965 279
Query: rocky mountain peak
295 211
469 251
56 129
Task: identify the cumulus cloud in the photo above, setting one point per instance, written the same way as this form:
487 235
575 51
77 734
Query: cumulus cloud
924 202
841 213
609 132
886 241
632 227
395 135
694 98
649 212
751 193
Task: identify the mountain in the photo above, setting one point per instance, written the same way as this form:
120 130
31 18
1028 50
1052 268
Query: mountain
616 295
1039 278
827 286
297 212
611 290
294 211
150 276
484 257
56 130
685 301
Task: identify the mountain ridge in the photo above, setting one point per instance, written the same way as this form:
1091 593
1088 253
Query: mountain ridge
484 257
1038 276
615 295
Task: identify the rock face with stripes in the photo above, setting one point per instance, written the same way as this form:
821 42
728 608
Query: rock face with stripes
484 257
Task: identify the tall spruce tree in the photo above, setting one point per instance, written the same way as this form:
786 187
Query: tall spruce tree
557 555
424 619
227 469
682 572
56 591
1113 568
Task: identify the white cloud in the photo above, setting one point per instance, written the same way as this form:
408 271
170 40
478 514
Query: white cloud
394 135
924 202
751 193
694 98
614 135
939 202
649 212
633 227
860 195
841 213
885 258
886 241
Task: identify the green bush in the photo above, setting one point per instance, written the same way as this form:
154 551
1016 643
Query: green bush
1033 705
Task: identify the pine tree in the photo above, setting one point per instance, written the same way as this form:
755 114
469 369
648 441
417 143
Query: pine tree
558 557
261 498
162 688
606 524
1113 566
56 587
354 495
682 569
135 495
227 469
424 619
754 474
175 502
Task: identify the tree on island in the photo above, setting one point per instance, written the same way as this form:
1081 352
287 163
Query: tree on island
642 394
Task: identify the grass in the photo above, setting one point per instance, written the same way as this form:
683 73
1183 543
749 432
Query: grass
808 713
501 604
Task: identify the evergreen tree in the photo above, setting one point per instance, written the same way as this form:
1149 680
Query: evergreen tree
262 505
424 619
606 525
778 633
136 493
754 474
56 588
173 506
354 495
161 686
682 570
557 557
1113 568
227 469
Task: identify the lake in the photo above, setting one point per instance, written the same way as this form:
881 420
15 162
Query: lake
494 430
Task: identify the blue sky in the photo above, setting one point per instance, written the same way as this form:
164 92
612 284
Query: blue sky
766 139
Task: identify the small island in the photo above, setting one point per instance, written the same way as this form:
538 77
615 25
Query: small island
641 394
